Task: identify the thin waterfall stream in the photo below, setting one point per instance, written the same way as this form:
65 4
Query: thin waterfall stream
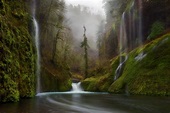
37 44
130 34
38 54
123 48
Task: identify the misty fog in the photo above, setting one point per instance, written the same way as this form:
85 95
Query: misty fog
78 16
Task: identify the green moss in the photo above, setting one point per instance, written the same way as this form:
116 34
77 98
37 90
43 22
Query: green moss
9 90
98 83
104 82
148 76
90 84
17 65
157 29
65 86
2 8
103 78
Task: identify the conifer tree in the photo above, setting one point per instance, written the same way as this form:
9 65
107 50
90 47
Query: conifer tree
85 45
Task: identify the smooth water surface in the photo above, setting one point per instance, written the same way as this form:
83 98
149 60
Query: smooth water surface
88 103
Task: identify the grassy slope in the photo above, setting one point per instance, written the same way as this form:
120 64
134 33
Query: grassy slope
148 76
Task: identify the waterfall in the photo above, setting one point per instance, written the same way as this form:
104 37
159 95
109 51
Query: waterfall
36 37
119 69
130 35
123 36
122 47
76 87
38 54
134 23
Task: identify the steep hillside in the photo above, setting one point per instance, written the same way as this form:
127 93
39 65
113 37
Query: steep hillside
146 71
148 74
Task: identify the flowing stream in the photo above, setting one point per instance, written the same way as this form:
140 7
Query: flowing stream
88 103
78 101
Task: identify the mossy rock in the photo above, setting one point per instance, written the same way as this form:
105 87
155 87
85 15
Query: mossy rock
102 80
148 75
17 65
90 84
97 83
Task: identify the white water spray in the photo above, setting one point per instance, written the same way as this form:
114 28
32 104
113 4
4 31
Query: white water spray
123 47
76 87
119 69
36 37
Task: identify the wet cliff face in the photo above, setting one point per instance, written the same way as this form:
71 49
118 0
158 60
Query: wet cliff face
17 52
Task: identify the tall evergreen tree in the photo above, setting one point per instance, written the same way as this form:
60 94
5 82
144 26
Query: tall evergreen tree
85 45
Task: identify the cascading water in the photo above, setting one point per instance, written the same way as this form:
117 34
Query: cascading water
134 23
123 35
119 69
131 37
76 87
36 37
38 54
123 47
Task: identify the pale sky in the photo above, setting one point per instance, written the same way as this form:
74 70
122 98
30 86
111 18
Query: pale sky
95 4
92 24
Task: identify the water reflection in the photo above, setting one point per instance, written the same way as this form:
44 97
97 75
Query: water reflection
88 103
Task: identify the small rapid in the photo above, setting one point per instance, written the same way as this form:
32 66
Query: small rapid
76 87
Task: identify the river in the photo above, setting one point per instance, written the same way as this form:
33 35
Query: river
88 102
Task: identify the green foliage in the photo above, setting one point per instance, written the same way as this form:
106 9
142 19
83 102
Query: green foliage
90 84
157 29
85 45
11 92
17 65
100 80
97 83
148 76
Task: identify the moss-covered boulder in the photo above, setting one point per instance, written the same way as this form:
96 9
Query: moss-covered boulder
147 70
97 83
102 78
17 55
